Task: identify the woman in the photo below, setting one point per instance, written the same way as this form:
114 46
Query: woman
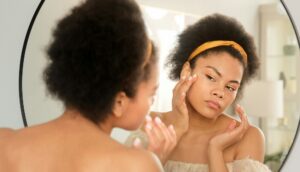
103 67
214 58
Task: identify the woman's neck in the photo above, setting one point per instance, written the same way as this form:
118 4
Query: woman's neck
74 116
199 123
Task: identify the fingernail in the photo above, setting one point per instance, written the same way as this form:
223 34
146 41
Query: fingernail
148 118
137 141
148 126
183 77
171 127
232 125
157 120
194 76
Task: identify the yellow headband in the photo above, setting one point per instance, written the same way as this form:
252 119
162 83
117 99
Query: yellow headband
213 44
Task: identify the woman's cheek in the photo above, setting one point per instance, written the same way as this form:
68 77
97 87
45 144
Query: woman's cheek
229 99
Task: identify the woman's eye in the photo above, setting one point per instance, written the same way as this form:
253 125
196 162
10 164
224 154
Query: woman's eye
230 88
210 78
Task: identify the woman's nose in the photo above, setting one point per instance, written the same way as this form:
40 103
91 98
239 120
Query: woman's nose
219 93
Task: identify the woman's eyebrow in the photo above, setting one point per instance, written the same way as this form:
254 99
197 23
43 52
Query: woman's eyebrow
220 75
214 69
234 81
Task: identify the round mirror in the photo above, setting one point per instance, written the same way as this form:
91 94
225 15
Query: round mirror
266 20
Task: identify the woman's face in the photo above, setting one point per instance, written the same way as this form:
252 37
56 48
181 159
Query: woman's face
219 78
139 105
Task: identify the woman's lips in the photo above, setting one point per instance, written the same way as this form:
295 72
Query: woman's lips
214 105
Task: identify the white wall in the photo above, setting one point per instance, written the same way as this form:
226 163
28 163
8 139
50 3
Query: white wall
243 10
15 17
40 107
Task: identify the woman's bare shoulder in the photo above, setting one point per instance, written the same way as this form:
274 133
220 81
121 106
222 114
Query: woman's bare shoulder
109 155
254 133
245 147
252 144
4 132
139 160
6 145
120 158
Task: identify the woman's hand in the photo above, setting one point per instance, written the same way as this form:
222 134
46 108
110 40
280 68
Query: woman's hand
218 143
162 139
232 134
179 115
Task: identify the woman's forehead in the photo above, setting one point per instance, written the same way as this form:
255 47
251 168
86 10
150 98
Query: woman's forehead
222 63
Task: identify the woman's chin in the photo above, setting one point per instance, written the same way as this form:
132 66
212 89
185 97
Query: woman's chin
210 113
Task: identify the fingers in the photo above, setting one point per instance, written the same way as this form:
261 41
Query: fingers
152 137
179 83
169 139
233 133
137 143
180 90
172 133
185 84
243 117
158 133
239 131
231 125
162 139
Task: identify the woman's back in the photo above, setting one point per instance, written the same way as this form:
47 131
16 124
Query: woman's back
86 71
68 144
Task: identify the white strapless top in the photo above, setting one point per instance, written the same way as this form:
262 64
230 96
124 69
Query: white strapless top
243 165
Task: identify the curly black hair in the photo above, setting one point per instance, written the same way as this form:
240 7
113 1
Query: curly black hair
98 50
210 28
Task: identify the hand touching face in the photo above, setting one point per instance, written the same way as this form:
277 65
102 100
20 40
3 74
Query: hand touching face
232 134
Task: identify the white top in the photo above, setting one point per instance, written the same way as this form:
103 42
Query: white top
243 165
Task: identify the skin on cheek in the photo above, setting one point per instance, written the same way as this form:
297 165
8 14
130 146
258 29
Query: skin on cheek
216 75
199 93
194 98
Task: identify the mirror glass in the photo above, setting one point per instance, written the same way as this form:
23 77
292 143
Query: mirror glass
266 20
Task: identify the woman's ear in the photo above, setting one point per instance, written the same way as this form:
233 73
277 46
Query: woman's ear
186 70
120 104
